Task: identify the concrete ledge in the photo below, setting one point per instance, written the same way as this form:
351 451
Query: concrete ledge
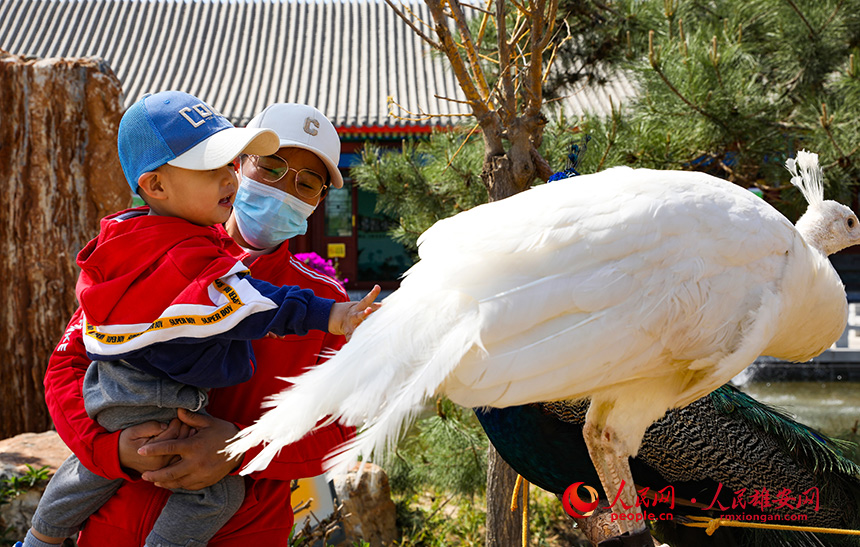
831 366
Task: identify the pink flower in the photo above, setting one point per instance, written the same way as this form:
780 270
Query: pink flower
318 263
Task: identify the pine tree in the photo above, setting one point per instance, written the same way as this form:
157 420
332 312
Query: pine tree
734 87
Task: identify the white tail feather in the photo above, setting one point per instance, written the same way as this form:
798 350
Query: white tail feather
382 430
259 432
262 460
806 175
395 359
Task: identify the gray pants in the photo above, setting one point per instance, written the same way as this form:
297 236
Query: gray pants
119 396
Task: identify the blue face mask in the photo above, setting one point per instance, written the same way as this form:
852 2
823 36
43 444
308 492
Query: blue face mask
266 216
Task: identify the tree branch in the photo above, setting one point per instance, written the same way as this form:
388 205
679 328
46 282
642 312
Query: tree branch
469 136
534 68
826 121
487 118
481 55
655 65
555 49
550 16
469 46
433 43
833 15
521 8
802 18
421 116
485 11
505 60
483 29
449 48
613 131
534 91
520 29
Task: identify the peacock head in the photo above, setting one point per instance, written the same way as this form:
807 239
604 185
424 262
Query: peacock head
827 225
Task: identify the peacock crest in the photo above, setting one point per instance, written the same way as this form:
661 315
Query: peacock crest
806 175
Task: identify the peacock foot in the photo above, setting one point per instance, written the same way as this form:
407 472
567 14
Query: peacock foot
642 538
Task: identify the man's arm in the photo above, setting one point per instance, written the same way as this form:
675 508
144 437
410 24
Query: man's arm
96 447
110 455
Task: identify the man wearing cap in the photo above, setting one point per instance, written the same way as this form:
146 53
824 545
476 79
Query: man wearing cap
276 194
276 198
167 309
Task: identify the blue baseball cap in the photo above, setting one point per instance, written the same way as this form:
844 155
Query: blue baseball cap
175 128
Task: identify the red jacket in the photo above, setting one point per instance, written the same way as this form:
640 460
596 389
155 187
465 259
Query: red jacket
266 515
169 298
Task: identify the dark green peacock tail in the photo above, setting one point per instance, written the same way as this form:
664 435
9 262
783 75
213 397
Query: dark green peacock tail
726 451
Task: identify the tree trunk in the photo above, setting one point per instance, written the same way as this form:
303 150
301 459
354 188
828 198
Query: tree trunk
61 173
505 174
504 527
498 177
508 172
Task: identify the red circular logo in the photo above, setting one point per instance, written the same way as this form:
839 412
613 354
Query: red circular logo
573 504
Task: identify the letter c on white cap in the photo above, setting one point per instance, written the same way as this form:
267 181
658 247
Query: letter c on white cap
311 130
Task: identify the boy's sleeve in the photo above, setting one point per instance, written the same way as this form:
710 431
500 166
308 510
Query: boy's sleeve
96 447
208 354
298 311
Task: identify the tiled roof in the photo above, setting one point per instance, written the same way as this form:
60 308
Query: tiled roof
345 57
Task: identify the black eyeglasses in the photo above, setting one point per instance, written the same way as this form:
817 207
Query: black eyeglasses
308 184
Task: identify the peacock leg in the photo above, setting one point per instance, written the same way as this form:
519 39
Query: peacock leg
613 468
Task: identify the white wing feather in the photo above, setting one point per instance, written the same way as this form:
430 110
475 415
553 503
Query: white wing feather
530 298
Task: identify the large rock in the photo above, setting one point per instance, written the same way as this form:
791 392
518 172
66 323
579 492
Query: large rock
38 450
61 174
369 512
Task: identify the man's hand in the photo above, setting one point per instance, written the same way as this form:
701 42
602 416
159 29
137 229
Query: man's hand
134 437
346 316
200 462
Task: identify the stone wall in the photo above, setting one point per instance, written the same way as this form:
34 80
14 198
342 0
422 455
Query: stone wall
60 175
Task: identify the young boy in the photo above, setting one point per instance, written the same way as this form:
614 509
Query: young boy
168 312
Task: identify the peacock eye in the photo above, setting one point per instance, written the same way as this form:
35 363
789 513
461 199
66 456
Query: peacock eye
851 223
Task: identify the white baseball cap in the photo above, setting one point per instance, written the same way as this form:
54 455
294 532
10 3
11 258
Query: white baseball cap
303 126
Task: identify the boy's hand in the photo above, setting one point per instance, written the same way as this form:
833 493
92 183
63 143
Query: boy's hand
133 438
345 316
200 462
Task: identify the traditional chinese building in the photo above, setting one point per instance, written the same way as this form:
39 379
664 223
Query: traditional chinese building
348 58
